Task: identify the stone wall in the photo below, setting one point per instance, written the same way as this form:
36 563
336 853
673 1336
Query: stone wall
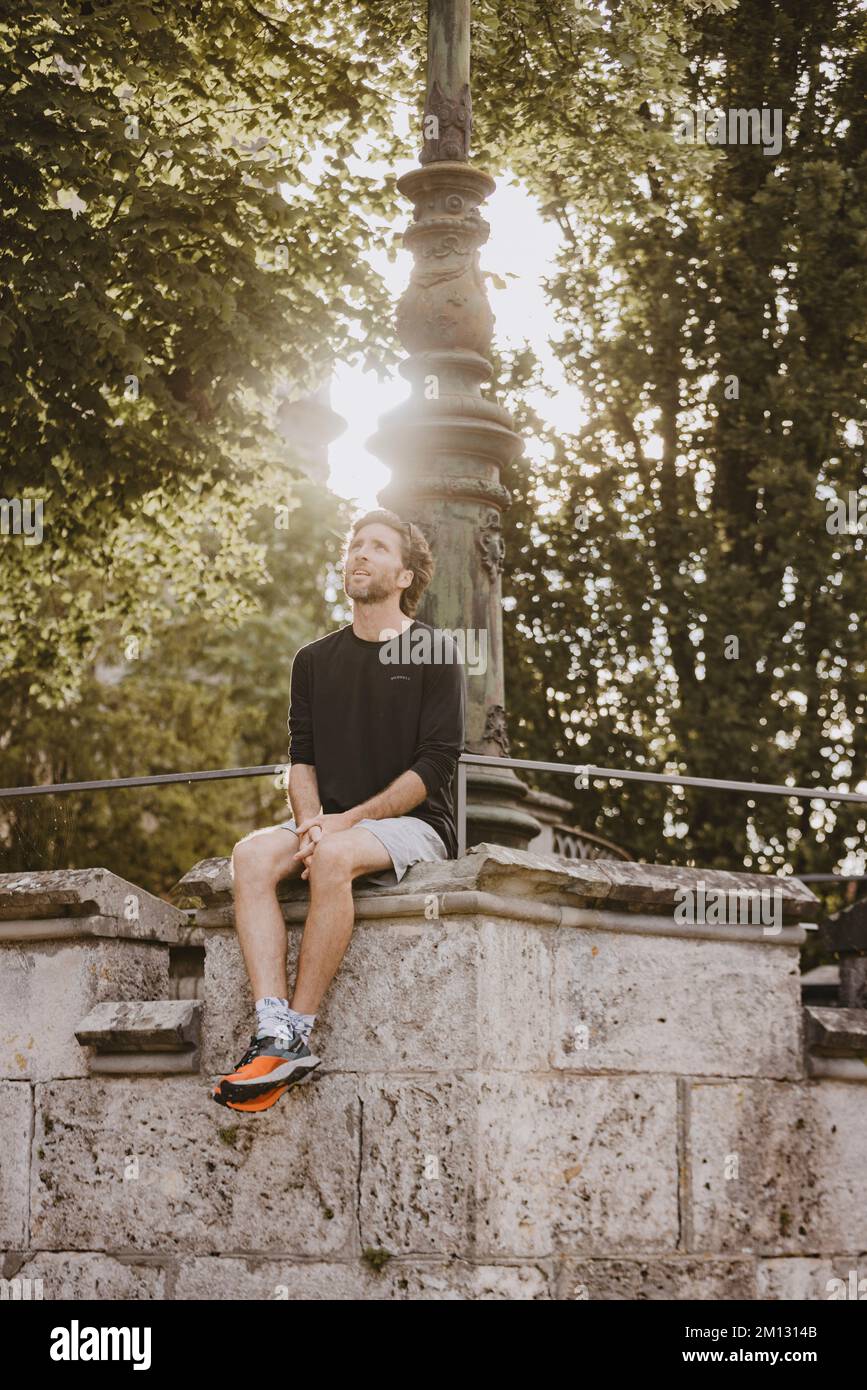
537 1083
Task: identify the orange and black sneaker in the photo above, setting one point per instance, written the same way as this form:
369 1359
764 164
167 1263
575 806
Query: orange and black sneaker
268 1068
263 1103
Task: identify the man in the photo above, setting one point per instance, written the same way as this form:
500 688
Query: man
374 740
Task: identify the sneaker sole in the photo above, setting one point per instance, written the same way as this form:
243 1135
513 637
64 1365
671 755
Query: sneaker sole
264 1102
289 1074
249 1107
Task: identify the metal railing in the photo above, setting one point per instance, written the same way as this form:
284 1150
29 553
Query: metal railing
582 773
156 779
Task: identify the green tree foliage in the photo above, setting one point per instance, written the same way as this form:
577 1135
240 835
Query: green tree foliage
194 695
713 305
156 285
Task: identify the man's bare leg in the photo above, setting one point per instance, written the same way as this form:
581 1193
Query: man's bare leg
335 862
259 862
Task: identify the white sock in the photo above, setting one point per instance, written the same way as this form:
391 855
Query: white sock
274 1017
302 1023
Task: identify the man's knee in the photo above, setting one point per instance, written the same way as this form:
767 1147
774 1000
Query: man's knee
333 857
265 855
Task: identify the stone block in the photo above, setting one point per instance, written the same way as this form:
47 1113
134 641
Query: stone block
823 1278
399 1279
155 1166
629 1003
673 1278
149 1036
16 1123
417 1160
48 987
404 997
506 1282
274 1280
514 995
71 1277
153 1025
229 1013
794 1154
576 1164
837 1032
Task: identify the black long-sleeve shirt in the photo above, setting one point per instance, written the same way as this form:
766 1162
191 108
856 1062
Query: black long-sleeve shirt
361 722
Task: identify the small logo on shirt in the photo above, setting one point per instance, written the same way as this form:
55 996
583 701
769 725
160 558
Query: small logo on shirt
400 678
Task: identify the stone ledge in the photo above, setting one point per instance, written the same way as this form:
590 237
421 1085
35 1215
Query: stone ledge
149 1025
553 879
837 1032
151 1037
63 903
837 1043
397 910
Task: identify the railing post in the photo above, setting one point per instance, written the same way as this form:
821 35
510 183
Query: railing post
462 807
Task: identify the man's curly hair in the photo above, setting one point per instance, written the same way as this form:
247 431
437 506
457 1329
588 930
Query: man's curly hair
415 554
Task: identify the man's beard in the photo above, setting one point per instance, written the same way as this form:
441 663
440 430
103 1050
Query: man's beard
375 591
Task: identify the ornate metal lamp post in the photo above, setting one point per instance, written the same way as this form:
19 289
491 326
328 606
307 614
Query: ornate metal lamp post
447 443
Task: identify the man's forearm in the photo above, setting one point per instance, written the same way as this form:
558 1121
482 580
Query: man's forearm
303 792
400 796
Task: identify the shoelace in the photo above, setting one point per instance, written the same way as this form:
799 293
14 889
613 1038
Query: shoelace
274 1022
256 1044
252 1052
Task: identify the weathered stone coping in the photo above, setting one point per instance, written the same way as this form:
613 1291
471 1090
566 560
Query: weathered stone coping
396 907
549 889
555 878
67 903
494 881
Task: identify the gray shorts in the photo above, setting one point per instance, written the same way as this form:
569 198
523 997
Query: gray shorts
407 839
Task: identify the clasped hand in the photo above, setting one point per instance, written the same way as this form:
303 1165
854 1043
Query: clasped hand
313 829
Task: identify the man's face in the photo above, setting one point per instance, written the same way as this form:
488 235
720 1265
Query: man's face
374 565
